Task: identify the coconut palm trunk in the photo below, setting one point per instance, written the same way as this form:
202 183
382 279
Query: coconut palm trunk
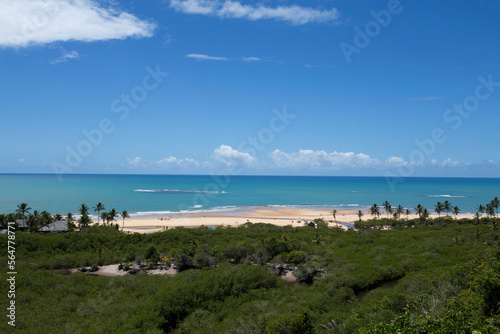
124 215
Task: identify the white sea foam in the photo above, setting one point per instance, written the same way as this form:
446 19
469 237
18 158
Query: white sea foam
152 213
177 191
193 208
448 196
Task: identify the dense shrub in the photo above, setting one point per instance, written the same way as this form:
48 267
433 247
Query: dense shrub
439 278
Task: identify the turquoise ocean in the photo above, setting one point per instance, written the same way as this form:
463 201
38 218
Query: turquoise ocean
160 195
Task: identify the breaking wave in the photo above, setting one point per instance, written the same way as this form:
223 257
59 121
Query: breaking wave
448 196
176 191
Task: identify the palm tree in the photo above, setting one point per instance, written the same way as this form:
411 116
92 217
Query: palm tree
439 208
425 214
83 209
480 210
105 217
375 210
23 209
34 221
447 207
124 215
334 213
98 207
399 211
84 221
46 218
419 210
456 211
69 219
360 214
58 217
490 210
496 204
407 213
388 208
112 215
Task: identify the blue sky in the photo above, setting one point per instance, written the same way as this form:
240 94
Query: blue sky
398 88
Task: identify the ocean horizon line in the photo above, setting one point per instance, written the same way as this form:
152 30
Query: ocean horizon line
259 175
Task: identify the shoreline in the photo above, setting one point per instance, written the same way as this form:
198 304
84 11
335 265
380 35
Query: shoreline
279 216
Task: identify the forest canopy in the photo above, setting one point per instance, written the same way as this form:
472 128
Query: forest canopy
437 278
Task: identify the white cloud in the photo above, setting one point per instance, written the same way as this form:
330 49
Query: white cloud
233 158
251 59
322 160
136 162
204 57
396 162
170 162
198 56
450 163
175 162
205 7
491 163
66 55
24 162
426 98
233 9
37 22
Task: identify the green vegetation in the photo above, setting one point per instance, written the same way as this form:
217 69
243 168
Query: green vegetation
390 275
437 276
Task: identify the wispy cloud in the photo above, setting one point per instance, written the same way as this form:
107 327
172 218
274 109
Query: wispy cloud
198 56
491 163
65 57
176 162
450 163
205 57
167 163
251 59
24 163
295 15
136 162
37 22
322 160
426 98
396 162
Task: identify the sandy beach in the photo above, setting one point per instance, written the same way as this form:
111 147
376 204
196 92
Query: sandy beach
282 216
